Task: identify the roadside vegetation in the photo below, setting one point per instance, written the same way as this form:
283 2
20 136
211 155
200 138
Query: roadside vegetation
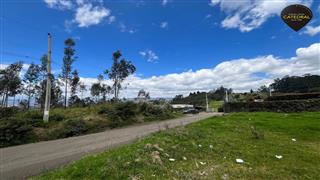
216 105
20 127
267 146
301 86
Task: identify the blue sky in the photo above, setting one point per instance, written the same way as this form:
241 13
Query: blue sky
162 38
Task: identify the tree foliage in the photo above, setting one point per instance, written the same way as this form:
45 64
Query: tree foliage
100 89
68 60
302 84
31 80
10 82
199 98
120 70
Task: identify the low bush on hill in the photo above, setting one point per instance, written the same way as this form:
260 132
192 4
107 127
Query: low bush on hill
8 111
121 114
294 96
15 131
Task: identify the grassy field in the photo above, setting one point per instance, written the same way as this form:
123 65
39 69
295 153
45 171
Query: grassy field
209 149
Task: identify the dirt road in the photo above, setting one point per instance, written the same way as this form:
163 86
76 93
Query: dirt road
22 161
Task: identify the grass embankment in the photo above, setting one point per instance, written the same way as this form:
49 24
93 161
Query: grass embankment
26 127
216 105
209 149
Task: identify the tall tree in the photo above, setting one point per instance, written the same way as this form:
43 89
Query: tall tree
104 88
68 59
56 93
10 82
31 79
120 70
95 90
75 82
263 89
82 89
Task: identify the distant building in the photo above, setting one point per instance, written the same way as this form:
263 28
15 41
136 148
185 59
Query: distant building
181 106
142 96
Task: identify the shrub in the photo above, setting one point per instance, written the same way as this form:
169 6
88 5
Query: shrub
274 106
57 117
8 111
33 114
120 114
71 127
14 131
293 96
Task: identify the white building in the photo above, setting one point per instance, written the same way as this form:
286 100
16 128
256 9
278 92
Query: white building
181 106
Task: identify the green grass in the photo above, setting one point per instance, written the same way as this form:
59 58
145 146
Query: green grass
216 104
254 137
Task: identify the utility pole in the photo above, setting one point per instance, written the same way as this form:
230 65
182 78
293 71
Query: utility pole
48 87
270 94
207 102
227 98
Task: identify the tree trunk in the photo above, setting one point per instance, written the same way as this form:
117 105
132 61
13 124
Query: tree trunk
7 98
28 106
65 94
4 98
14 100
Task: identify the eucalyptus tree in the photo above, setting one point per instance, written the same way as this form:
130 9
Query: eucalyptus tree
68 59
82 89
10 81
56 93
119 71
31 80
103 88
75 83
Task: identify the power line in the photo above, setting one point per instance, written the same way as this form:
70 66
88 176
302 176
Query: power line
18 55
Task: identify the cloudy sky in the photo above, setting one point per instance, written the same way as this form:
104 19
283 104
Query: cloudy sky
178 46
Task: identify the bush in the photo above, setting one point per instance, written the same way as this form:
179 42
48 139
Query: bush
293 96
14 131
274 106
8 111
71 127
120 114
33 114
57 117
125 113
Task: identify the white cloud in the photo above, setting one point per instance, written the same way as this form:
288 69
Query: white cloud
87 12
111 19
59 4
87 15
239 74
311 30
68 25
208 16
149 55
164 2
124 28
247 15
164 25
